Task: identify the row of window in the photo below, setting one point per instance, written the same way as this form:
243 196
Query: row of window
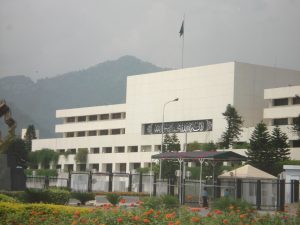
285 101
283 121
116 149
107 116
95 132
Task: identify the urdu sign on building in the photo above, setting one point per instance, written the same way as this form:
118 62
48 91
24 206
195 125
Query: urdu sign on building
178 127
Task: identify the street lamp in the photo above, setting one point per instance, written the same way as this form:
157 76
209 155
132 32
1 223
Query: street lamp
162 131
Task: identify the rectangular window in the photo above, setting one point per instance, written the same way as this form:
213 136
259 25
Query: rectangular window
296 100
107 150
95 167
81 118
295 144
123 167
282 121
280 101
70 134
61 151
119 149
116 116
93 117
70 119
95 150
92 133
103 132
115 131
132 148
146 148
104 116
71 151
80 133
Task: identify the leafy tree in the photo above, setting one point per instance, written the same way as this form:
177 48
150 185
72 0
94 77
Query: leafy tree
171 143
261 154
233 128
29 136
201 146
81 156
296 125
280 145
44 157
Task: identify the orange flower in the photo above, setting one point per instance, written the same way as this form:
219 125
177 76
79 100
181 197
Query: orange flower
122 201
136 218
83 220
218 212
77 213
171 223
168 216
149 212
146 221
225 221
189 197
243 216
195 209
74 222
120 220
177 222
195 219
158 212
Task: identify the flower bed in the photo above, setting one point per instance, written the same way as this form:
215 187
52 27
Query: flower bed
38 214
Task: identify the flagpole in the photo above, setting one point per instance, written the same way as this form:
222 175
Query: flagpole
182 49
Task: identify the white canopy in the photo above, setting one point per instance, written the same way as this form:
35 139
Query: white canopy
247 172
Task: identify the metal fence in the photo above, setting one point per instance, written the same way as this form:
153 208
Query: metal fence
264 194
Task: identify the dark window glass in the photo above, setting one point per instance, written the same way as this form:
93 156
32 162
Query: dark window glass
70 134
278 122
92 117
280 101
103 132
296 100
92 133
104 116
295 144
116 116
81 118
80 134
70 119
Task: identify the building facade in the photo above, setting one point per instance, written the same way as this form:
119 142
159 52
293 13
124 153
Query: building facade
120 138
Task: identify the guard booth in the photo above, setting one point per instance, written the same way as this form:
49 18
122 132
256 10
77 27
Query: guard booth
204 158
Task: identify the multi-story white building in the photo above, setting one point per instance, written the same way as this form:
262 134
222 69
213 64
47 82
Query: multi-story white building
123 137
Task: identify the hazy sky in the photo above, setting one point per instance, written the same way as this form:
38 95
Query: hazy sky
41 38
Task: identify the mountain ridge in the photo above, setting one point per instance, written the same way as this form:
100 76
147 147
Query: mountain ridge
101 84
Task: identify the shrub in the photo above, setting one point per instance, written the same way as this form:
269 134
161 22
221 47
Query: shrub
227 203
83 197
54 196
169 201
113 198
152 202
5 198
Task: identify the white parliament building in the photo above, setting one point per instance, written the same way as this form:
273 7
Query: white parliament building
122 137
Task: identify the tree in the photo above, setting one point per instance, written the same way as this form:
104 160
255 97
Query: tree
261 154
81 156
201 146
280 145
233 128
44 157
29 136
16 148
171 143
296 125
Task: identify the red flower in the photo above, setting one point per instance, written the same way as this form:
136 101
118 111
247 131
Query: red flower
218 212
146 221
195 219
123 201
120 220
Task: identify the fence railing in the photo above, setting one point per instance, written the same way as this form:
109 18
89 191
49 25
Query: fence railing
264 194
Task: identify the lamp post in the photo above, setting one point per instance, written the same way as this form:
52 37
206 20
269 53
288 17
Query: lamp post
162 131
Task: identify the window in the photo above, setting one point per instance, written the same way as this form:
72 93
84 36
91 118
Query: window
123 167
136 165
81 167
119 149
146 148
132 148
80 133
107 150
296 100
61 151
70 134
104 116
115 131
95 167
95 150
93 117
70 119
71 151
280 101
295 144
282 121
81 118
58 166
103 132
116 115
252 189
92 133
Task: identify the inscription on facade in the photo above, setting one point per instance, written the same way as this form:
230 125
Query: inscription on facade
178 127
